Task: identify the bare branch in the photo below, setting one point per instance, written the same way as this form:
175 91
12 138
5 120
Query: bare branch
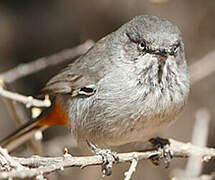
181 149
44 62
36 165
131 170
32 67
44 165
21 139
9 161
37 65
29 101
199 138
202 68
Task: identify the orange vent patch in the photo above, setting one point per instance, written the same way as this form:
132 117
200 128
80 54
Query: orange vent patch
57 116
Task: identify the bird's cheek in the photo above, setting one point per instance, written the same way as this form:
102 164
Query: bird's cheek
173 60
147 60
129 53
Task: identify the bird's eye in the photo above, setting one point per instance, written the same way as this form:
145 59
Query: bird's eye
174 49
142 46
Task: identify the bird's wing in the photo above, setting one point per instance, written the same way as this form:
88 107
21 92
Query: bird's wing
68 82
82 75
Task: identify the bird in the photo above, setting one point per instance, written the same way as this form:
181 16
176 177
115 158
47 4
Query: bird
132 84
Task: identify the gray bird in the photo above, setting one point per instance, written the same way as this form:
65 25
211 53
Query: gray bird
130 85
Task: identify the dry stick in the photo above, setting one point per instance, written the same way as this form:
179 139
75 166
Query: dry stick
12 108
202 68
21 139
32 67
44 62
10 161
17 114
199 138
45 165
37 65
184 149
29 101
131 170
181 149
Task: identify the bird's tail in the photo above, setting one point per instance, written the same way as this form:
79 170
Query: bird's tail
55 116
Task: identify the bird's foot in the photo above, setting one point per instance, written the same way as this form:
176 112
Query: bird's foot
108 158
162 145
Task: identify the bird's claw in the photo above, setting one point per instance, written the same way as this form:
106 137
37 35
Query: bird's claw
162 145
108 158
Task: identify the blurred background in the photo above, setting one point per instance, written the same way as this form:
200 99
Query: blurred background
32 29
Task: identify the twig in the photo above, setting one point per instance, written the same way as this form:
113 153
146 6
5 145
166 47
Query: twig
131 170
21 139
14 111
199 138
181 149
28 101
45 165
10 161
44 62
202 68
41 165
32 67
18 114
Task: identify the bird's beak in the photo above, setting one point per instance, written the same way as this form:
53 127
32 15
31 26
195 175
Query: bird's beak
161 57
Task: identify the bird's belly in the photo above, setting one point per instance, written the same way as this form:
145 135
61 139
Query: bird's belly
106 123
130 130
143 129
142 124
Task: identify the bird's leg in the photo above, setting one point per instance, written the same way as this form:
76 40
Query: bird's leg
107 156
163 146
